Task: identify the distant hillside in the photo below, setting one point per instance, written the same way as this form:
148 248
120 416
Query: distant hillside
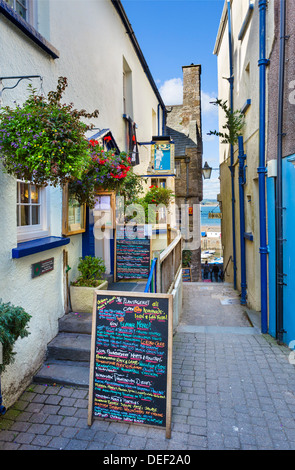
209 202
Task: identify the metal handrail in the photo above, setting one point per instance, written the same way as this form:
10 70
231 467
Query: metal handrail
148 287
230 258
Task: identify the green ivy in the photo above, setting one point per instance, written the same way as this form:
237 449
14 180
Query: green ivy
13 325
234 123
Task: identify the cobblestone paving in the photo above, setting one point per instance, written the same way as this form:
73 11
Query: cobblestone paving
230 392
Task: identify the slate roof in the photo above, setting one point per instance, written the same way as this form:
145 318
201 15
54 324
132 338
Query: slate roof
181 141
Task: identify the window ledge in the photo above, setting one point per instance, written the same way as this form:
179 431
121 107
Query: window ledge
28 30
40 244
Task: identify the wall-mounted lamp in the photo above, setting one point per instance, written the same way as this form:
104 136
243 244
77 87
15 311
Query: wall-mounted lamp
206 170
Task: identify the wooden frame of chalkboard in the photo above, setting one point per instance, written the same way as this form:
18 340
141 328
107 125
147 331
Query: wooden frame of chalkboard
131 358
130 277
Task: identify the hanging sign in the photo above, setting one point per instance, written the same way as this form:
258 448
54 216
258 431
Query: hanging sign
162 156
214 215
131 358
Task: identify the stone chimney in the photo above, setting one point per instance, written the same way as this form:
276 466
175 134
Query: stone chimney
191 108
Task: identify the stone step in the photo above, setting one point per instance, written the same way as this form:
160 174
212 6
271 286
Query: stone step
64 373
75 322
70 347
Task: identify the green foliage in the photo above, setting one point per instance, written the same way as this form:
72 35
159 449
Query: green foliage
13 325
186 258
233 126
106 170
156 196
44 140
131 188
91 270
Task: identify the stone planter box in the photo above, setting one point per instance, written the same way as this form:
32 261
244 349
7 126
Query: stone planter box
82 297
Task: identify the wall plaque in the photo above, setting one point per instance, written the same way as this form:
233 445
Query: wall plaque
42 267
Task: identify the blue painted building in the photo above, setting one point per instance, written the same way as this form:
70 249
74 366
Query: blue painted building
281 177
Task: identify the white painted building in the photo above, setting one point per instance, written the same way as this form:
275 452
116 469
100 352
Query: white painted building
93 45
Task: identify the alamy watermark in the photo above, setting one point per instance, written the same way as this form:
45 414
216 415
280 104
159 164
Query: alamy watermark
185 219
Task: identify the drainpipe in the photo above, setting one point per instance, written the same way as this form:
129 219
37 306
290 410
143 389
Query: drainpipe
279 196
262 63
242 181
232 168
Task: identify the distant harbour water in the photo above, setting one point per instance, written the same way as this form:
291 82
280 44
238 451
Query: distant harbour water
205 221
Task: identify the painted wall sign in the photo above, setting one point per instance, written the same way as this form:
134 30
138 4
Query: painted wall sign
132 252
163 157
186 274
42 267
131 358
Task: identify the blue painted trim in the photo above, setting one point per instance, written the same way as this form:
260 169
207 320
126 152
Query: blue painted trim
246 22
242 158
271 226
249 236
262 63
246 106
28 30
149 281
36 246
232 168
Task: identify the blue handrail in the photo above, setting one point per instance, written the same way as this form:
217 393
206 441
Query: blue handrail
149 284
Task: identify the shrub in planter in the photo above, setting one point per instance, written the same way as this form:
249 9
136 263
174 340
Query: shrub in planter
91 278
13 325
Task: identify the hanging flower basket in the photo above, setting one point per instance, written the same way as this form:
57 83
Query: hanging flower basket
106 171
44 140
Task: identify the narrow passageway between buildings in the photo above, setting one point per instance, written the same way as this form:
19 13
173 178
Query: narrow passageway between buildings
233 389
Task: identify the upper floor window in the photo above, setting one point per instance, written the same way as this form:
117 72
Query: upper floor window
20 6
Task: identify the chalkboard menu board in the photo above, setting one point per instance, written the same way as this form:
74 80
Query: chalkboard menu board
131 358
133 252
186 274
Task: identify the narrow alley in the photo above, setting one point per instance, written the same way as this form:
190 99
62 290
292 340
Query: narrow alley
233 389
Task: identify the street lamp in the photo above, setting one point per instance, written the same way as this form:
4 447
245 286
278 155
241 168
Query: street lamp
206 170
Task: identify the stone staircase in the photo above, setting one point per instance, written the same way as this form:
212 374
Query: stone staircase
68 354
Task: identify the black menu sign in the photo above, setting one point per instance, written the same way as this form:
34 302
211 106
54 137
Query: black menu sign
131 358
133 252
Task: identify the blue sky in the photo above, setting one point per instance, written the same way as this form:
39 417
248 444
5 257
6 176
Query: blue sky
173 33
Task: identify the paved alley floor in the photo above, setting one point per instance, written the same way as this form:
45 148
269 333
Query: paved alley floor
233 389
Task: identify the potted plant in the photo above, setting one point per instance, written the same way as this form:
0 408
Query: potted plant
91 278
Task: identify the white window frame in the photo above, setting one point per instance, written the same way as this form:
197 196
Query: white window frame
31 232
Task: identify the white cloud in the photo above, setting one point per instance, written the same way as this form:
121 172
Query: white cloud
207 106
172 91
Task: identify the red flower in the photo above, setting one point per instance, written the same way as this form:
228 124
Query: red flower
93 142
107 137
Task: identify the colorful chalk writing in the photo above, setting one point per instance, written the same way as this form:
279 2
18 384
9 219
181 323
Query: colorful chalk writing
132 254
130 358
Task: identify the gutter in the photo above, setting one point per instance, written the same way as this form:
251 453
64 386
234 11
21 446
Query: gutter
279 184
121 12
242 181
232 168
262 63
